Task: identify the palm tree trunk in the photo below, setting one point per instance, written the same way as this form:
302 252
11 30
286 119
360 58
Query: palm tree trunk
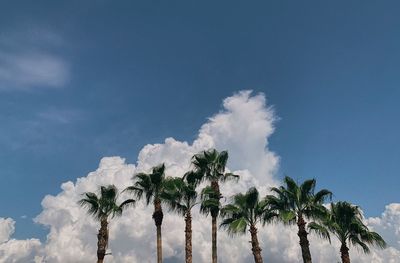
214 239
159 244
214 215
255 246
102 240
304 243
188 237
344 251
158 217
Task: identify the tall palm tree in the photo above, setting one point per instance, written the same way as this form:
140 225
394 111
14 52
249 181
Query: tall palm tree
150 186
345 221
210 165
180 194
247 210
102 208
294 203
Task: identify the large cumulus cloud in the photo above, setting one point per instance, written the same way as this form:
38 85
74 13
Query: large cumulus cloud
242 127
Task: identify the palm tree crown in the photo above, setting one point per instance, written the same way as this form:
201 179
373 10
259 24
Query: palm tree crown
210 165
210 201
294 203
102 208
345 221
293 200
106 205
148 186
245 210
180 193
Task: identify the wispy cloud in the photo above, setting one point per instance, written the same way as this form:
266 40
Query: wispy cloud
41 129
30 60
60 116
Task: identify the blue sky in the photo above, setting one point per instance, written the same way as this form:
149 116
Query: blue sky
80 80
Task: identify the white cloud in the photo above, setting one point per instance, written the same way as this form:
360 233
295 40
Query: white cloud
388 224
243 128
7 228
16 251
60 116
20 251
28 61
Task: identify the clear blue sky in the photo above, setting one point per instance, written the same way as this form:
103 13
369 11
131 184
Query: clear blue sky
133 74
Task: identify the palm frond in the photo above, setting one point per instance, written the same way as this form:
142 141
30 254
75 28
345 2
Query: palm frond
320 230
209 201
345 221
287 216
234 226
356 241
90 202
229 176
105 204
322 196
229 210
127 203
307 187
252 198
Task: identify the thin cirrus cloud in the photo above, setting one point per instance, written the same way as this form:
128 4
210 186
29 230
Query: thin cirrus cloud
40 130
250 124
60 116
29 60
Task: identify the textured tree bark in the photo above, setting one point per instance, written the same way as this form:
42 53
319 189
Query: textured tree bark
344 251
214 215
102 240
304 243
188 237
214 240
158 217
255 246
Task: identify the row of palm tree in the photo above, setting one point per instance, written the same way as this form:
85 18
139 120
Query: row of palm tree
291 203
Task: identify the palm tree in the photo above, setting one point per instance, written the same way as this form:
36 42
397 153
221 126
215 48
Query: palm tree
102 208
180 194
345 221
210 166
294 203
247 210
150 187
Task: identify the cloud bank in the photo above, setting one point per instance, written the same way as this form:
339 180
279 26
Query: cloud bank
242 127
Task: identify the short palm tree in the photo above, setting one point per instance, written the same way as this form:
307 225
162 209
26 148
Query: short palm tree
102 208
345 221
247 210
210 166
294 203
180 194
150 186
